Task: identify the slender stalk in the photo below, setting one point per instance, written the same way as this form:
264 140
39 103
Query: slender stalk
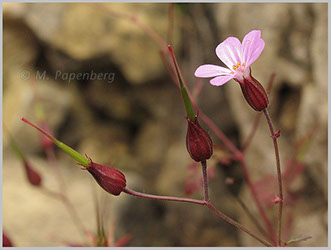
134 19
252 132
279 175
159 197
63 191
257 200
223 216
199 202
220 135
71 209
205 180
251 216
236 224
240 157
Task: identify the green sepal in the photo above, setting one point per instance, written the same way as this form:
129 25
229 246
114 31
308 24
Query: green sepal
188 104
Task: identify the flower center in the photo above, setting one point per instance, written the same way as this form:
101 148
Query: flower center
238 68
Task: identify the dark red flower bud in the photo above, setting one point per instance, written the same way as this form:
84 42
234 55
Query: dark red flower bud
109 178
33 176
254 93
6 242
198 142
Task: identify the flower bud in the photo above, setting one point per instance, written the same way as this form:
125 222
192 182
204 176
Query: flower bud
33 176
198 142
109 178
254 93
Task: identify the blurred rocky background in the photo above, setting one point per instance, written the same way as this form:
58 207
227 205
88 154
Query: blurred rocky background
135 120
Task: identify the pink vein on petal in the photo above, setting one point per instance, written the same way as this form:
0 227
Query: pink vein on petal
252 47
229 51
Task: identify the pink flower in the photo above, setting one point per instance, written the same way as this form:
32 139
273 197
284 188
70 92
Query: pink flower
238 57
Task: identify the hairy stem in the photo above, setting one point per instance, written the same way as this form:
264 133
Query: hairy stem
205 180
279 175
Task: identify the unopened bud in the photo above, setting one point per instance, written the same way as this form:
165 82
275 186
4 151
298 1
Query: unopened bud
33 176
109 178
198 142
254 93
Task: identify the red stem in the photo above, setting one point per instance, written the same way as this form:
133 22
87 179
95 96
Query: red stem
236 224
279 175
205 180
252 133
199 202
159 197
257 201
251 216
53 139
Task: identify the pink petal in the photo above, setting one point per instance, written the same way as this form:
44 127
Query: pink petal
209 70
252 47
229 51
259 46
220 80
